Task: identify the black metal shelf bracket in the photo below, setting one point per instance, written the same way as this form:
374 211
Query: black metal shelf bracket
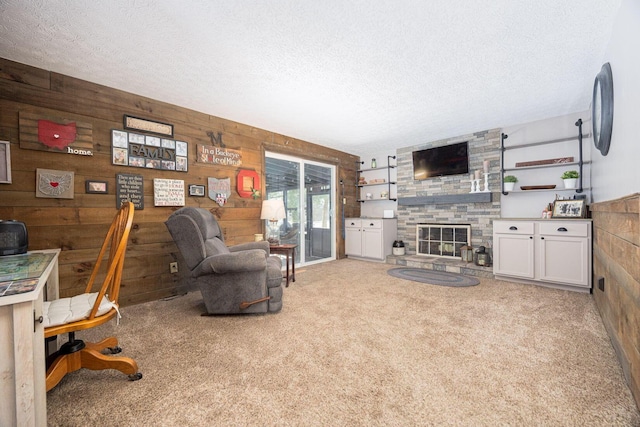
503 136
580 162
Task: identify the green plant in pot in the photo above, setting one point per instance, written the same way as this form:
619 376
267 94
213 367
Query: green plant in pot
509 182
570 179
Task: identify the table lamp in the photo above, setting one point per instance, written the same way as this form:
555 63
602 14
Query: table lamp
273 211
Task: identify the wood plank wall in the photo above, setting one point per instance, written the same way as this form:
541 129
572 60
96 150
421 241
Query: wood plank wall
78 225
616 258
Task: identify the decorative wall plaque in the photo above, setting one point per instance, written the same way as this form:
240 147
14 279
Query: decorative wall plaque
248 183
54 184
47 132
218 156
145 125
219 190
129 187
168 192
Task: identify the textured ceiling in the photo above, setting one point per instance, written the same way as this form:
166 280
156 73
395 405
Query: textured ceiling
360 76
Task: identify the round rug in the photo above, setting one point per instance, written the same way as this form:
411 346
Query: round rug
433 277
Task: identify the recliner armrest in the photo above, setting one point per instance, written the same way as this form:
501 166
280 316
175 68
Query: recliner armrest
234 262
264 245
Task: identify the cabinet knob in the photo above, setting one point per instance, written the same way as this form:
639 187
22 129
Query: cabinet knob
541 238
513 227
371 225
40 319
562 229
530 237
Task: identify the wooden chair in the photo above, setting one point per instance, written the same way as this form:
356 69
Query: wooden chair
91 309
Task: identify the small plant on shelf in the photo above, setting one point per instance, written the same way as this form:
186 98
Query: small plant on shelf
570 179
509 182
570 175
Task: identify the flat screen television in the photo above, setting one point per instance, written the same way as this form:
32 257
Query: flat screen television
450 159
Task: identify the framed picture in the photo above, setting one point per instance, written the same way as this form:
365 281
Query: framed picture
568 209
98 187
196 190
5 162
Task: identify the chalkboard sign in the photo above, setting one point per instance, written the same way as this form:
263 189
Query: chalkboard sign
129 187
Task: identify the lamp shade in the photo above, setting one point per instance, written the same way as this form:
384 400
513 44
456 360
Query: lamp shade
272 209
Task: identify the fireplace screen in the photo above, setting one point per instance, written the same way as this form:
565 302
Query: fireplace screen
442 240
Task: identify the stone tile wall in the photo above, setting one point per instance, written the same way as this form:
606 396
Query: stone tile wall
482 146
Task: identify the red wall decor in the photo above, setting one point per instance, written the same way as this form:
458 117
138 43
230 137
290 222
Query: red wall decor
248 181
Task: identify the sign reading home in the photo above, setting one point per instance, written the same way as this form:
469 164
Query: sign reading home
46 132
146 151
218 155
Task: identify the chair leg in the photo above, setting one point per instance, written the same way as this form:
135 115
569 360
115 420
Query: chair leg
95 360
110 343
89 356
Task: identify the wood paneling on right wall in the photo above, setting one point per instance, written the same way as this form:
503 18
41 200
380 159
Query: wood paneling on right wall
616 259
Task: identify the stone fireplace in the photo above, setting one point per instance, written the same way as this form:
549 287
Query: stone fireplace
447 200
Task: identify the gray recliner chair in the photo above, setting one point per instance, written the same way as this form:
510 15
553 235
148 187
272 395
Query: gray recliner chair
243 278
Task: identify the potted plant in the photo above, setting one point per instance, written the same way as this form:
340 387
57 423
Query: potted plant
509 182
570 179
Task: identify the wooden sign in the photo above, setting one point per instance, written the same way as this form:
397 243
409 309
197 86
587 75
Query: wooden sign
218 156
168 192
129 187
145 125
47 132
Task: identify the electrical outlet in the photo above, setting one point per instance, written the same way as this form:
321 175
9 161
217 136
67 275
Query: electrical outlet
173 267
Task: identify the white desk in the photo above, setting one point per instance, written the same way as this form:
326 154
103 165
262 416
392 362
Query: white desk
23 394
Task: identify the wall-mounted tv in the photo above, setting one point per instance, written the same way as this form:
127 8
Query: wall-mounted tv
452 159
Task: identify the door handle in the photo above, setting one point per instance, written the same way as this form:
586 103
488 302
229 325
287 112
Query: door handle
562 229
513 227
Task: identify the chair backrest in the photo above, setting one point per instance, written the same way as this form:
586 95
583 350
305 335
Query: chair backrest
115 246
196 234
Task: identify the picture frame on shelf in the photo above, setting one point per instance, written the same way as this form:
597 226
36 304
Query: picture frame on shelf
96 187
569 208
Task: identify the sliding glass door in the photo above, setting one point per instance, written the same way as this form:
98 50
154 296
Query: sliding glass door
307 190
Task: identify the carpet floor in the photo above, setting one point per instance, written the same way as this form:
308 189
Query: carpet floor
354 346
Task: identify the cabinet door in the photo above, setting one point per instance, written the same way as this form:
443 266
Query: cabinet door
353 241
513 255
564 260
372 243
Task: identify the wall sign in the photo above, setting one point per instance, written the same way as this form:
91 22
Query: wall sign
144 125
145 151
168 192
47 132
54 184
219 190
218 155
129 187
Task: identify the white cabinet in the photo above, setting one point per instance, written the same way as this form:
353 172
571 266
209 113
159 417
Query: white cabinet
545 252
370 238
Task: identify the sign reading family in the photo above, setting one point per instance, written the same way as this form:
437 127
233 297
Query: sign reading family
218 155
145 151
